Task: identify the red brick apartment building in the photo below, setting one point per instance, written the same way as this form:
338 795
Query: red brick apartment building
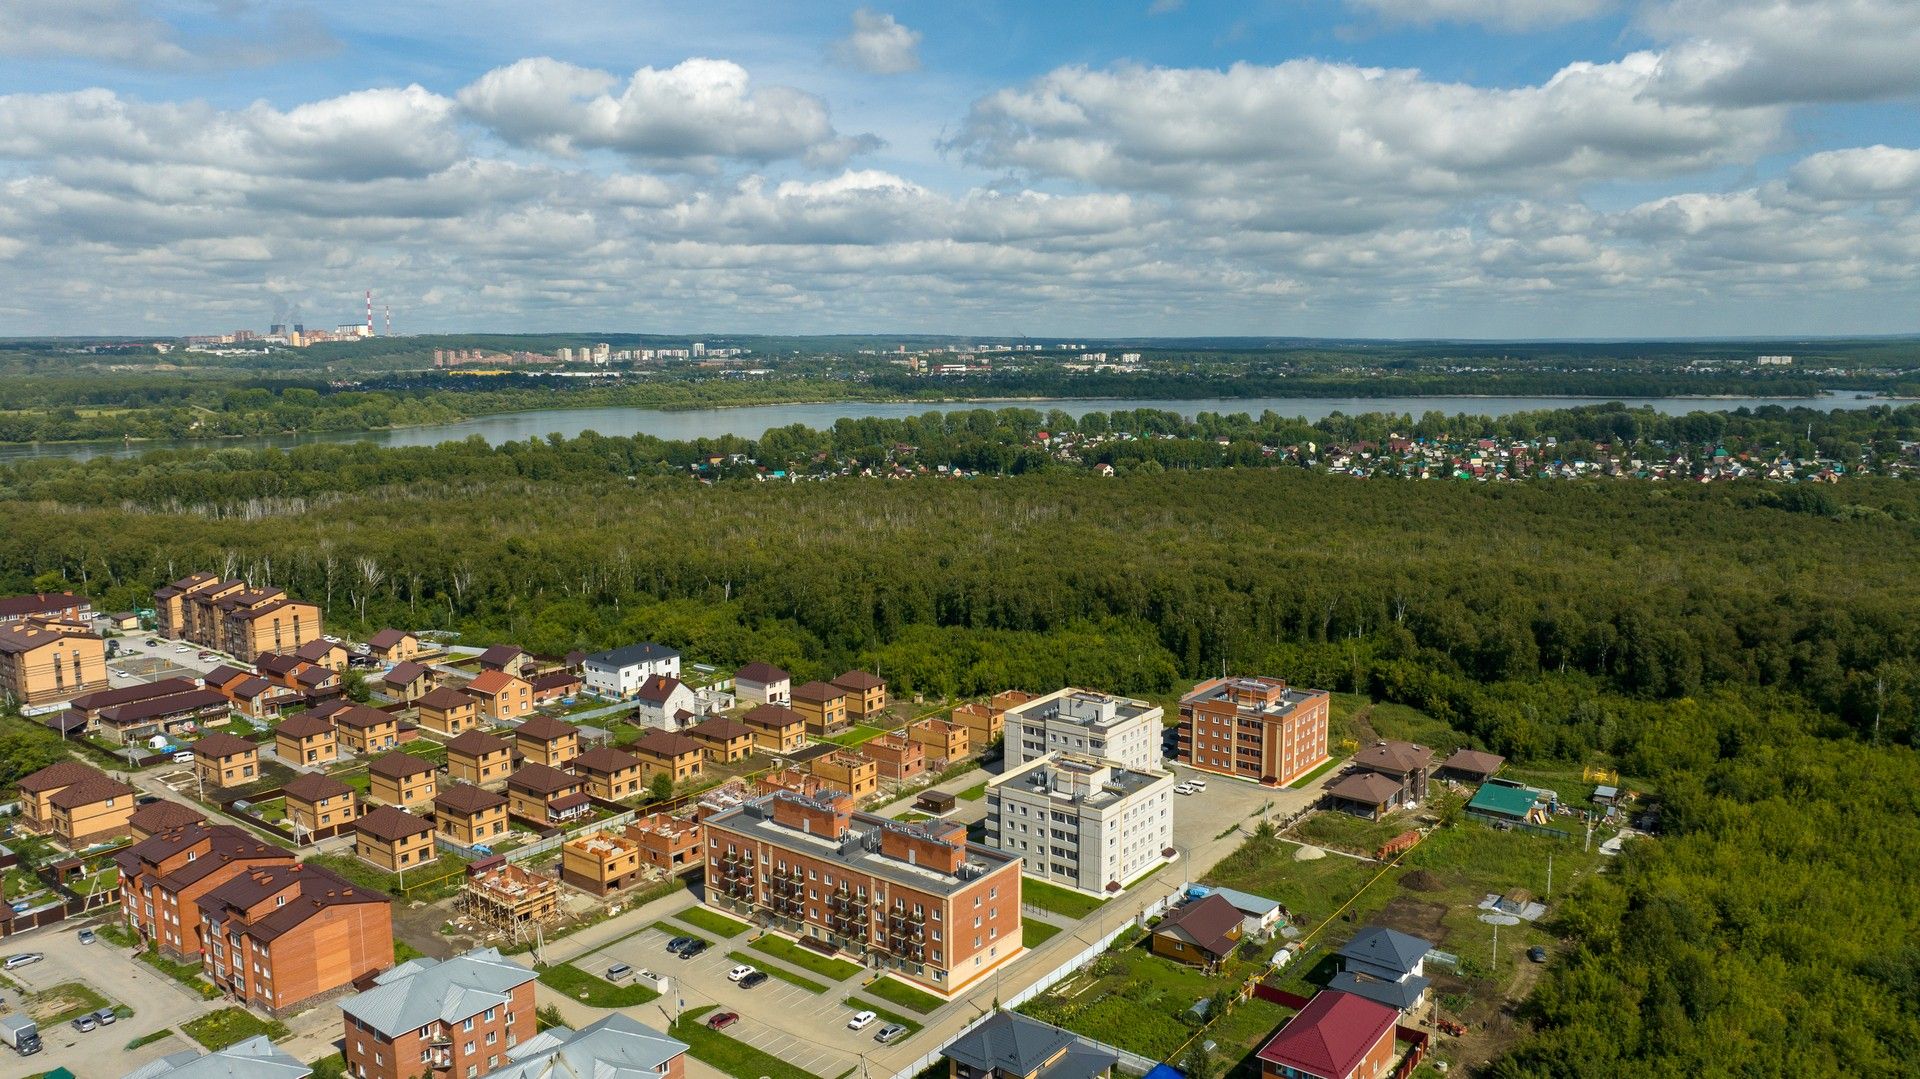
1254 728
917 900
454 1017
279 936
163 877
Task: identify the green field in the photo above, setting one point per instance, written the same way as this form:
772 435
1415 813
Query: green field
231 1026
854 735
781 948
1052 897
789 977
974 793
1034 932
50 1007
895 991
729 1056
1134 999
1344 831
593 990
712 921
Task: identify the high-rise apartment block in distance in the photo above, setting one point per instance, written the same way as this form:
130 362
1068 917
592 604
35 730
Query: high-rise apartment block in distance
1085 722
1253 728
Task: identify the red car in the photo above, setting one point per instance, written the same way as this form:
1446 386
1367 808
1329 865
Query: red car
723 1020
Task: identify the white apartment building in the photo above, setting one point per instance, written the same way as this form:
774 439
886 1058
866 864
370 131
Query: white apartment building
1082 822
1087 723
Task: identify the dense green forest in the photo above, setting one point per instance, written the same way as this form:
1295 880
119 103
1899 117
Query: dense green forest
1749 650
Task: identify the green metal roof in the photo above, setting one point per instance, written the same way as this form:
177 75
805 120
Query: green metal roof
1502 801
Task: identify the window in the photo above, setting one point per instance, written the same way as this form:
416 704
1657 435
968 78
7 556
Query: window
467 1025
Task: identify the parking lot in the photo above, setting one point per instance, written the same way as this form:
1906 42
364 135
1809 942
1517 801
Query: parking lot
157 1001
803 1028
139 662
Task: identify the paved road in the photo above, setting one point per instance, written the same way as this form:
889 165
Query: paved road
158 1002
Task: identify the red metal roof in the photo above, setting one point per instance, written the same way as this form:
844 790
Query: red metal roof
1331 1035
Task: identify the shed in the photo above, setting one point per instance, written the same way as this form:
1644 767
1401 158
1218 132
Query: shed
1497 801
935 802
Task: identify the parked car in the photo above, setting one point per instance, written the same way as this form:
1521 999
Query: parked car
679 944
753 979
694 949
860 1020
723 1020
21 959
87 936
85 1023
739 972
889 1033
1537 954
1197 784
619 972
105 1017
182 648
1183 788
153 642
185 756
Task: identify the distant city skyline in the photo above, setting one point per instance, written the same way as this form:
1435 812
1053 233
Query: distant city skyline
1483 169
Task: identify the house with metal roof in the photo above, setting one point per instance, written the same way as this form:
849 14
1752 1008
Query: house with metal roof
617 674
255 1058
1009 1045
1258 914
1336 1036
617 1046
1201 931
412 1014
1384 965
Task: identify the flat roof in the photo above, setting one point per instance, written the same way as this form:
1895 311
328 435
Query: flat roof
859 849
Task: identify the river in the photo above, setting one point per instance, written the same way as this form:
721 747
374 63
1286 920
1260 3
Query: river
751 421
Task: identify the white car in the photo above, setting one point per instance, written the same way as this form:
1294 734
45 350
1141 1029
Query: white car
739 972
1183 788
860 1021
1197 784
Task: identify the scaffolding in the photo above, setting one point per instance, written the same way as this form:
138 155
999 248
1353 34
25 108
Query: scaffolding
510 901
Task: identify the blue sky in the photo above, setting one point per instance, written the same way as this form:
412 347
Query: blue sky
1503 168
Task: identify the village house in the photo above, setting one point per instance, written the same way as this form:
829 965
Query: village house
225 760
468 816
984 722
393 646
660 701
548 741
664 753
324 653
763 683
43 663
1403 762
393 839
1471 766
1365 794
1200 932
667 843
724 740
407 681
480 759
1386 966
775 729
1336 1036
507 659
942 742
447 711
866 694
366 730
823 706
600 863
501 696
305 739
454 1017
898 757
160 816
610 773
316 800
616 674
1009 1045
847 772
555 686
282 936
163 877
76 806
401 779
545 795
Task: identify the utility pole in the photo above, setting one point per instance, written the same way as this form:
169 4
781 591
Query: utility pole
1496 947
1549 874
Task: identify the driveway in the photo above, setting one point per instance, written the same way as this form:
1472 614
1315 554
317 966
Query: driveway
158 1002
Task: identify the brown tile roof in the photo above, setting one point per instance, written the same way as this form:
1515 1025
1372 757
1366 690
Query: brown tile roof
58 775
661 743
106 698
315 787
1207 922
500 655
860 681
249 688
220 745
818 692
1398 758
761 673
772 715
174 704
467 798
1476 761
386 638
224 674
555 680
657 688
545 729
392 823
443 699
491 683
720 729
541 779
304 725
317 889
399 765
328 709
315 650
314 676
162 815
225 843
91 791
569 801
403 673
362 716
604 760
477 744
1367 788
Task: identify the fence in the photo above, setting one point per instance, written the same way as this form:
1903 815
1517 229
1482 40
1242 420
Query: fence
1523 826
618 820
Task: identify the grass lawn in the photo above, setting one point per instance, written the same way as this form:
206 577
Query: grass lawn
593 990
1312 889
231 1026
435 880
911 817
186 973
729 1056
1134 999
63 1002
975 792
273 812
895 991
886 1015
854 735
149 1039
1034 933
1054 898
1241 1034
808 984
712 921
1332 763
781 948
1344 831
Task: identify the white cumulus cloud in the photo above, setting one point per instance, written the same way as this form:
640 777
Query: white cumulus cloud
878 45
1500 14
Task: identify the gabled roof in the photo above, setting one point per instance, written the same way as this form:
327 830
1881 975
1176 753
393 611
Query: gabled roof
466 798
443 699
423 991
860 681
772 715
633 655
304 725
59 774
403 673
1369 788
491 683
540 779
223 674
762 673
91 791
1014 1044
106 698
255 1058
1399 995
314 676
315 787
477 744
362 717
661 743
250 687
220 745
1331 1035
315 650
656 689
1379 946
392 823
387 638
162 815
719 729
399 765
1258 906
173 704
313 889
500 655
1397 758
818 692
545 729
604 760
1208 922
553 680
